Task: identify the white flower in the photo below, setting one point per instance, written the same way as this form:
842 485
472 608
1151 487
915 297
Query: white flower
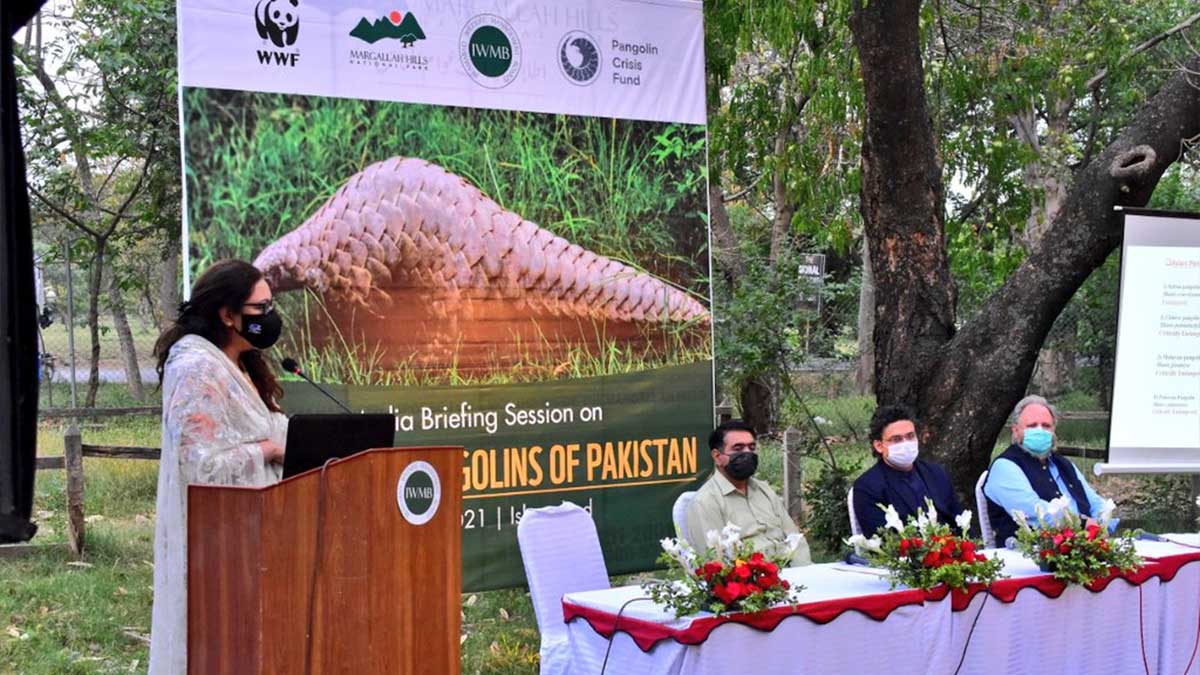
731 536
1019 516
873 544
1058 508
1039 510
671 546
963 520
712 539
891 518
1197 501
932 511
922 520
1107 506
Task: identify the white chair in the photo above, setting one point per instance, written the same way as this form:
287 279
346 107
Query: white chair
561 553
855 528
981 505
679 512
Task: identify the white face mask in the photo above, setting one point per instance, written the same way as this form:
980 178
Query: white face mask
902 454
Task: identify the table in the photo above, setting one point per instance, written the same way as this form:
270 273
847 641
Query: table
849 621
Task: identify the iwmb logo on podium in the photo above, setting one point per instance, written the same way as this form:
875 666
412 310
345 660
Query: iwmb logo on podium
418 493
278 22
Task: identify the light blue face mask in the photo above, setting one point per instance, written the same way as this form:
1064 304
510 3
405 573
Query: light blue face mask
1038 441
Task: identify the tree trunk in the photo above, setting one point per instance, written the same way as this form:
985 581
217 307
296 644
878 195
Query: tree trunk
759 403
168 286
1054 373
901 202
864 377
964 384
133 374
94 282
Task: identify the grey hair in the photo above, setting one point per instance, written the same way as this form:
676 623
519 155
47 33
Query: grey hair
1032 399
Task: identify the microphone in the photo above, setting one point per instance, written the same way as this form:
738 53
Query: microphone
289 364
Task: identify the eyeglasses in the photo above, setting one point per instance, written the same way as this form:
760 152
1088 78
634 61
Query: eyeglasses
898 438
741 447
264 307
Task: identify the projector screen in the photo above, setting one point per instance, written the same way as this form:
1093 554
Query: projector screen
1155 423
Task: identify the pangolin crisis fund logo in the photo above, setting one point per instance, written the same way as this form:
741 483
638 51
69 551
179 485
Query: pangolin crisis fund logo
490 51
579 58
278 24
418 492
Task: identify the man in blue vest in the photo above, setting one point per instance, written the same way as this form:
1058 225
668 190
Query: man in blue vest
1029 473
898 477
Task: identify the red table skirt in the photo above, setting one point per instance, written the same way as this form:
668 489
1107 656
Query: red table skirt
646 634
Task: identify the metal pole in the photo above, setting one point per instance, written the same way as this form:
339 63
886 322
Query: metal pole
71 326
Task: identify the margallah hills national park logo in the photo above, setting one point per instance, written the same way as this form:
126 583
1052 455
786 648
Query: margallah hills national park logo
396 25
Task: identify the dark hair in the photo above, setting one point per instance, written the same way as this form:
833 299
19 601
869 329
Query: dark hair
716 440
226 284
887 414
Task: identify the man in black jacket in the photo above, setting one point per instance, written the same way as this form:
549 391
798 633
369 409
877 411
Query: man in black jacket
898 478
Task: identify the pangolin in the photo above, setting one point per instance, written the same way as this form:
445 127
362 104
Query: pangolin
405 228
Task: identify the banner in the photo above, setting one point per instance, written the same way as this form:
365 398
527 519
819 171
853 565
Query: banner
488 219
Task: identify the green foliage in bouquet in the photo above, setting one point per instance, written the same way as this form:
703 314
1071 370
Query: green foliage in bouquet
924 553
731 576
1075 552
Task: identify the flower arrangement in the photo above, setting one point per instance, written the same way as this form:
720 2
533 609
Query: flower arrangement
1073 551
730 576
924 553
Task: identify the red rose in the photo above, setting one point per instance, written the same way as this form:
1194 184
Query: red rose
1064 548
1045 553
1045 534
969 556
918 542
1058 540
741 572
711 569
722 593
756 556
1093 531
931 559
979 557
967 546
767 581
904 547
1068 533
785 584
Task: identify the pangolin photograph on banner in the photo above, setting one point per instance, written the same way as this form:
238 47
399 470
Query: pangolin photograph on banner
487 243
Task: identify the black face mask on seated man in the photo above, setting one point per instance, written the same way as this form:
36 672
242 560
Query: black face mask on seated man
742 465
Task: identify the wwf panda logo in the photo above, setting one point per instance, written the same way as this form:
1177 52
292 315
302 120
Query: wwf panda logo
278 21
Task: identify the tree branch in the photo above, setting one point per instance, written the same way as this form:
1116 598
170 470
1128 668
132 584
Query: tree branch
62 212
1148 44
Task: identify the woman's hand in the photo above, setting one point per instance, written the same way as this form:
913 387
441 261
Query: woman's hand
272 451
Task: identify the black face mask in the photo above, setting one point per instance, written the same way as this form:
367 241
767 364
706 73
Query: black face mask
742 465
261 330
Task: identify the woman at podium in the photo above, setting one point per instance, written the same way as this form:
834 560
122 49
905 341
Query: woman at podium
220 425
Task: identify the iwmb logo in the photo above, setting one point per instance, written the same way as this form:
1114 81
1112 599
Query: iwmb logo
490 51
418 492
279 22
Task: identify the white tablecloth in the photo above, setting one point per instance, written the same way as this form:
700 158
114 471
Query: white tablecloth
1080 631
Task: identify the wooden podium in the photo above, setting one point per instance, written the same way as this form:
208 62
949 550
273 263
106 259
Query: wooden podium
386 587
